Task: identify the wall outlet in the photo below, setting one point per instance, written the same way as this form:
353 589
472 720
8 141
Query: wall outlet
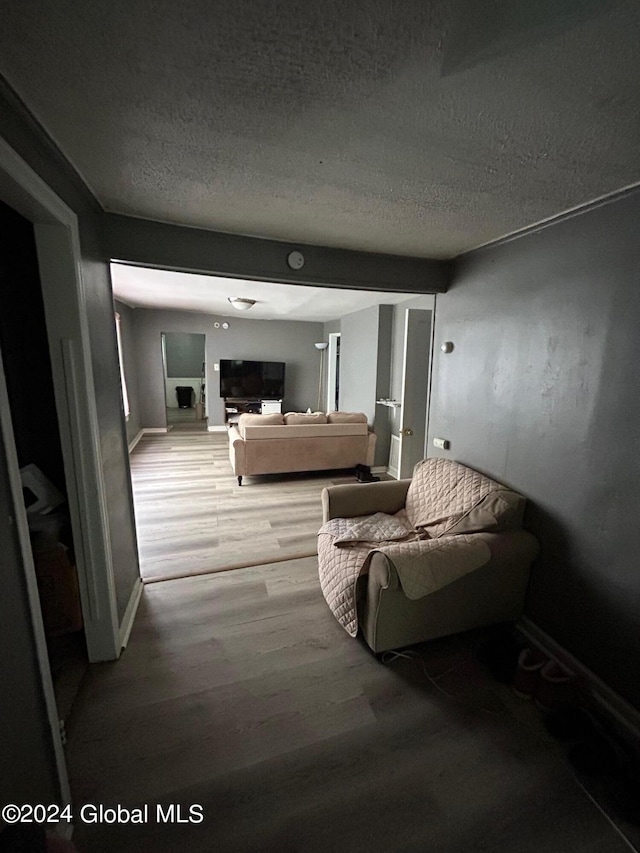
441 443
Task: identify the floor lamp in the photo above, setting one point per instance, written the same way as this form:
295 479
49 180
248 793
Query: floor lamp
322 347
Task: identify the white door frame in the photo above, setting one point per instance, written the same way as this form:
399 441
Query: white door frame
58 249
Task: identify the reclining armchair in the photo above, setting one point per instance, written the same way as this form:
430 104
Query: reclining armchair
410 560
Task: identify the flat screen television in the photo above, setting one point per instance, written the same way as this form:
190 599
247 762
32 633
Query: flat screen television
260 379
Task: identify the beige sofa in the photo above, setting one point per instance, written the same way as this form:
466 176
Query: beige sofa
277 444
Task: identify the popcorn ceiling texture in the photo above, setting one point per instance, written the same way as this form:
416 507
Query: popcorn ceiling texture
416 128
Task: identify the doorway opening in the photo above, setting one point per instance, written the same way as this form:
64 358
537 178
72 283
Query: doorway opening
32 419
185 370
333 368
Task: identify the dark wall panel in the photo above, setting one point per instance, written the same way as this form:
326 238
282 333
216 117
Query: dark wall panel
25 349
541 393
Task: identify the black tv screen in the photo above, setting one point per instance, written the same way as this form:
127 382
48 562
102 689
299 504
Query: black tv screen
260 379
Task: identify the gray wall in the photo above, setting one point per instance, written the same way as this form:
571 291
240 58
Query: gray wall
127 335
112 427
541 393
267 340
365 369
185 354
330 327
359 362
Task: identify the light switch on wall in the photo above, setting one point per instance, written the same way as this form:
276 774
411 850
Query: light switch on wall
441 443
216 367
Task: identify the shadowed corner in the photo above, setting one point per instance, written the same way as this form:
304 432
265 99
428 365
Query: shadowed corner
479 33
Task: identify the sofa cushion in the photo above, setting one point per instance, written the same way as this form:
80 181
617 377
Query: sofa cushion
247 419
443 492
346 418
305 418
292 431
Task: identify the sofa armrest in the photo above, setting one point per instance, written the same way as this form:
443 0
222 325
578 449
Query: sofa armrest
351 500
371 448
492 593
236 452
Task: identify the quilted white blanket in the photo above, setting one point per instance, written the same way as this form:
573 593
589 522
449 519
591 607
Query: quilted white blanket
422 540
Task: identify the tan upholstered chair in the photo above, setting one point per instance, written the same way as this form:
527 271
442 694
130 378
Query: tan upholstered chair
494 592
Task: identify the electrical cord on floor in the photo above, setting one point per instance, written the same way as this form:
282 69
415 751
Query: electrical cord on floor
390 656
409 654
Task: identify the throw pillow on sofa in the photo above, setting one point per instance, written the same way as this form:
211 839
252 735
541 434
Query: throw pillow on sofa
346 418
246 420
305 418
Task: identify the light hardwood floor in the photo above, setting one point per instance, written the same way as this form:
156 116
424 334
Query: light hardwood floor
184 420
193 518
240 692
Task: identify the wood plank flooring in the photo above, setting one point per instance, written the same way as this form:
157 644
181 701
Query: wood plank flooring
185 420
193 518
240 692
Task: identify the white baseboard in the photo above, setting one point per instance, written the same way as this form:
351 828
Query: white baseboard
378 469
218 428
135 440
130 613
610 702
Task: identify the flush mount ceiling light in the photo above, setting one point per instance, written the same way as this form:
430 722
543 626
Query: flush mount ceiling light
242 304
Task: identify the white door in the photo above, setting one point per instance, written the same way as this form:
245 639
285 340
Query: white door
25 672
416 372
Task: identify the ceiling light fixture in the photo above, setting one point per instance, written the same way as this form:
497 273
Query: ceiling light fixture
242 304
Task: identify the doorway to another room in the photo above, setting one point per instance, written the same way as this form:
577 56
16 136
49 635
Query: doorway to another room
184 364
33 418
333 372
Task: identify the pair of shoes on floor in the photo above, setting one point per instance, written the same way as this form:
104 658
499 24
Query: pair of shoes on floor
542 679
364 475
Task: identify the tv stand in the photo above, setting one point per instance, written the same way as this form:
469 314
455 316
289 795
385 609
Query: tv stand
236 406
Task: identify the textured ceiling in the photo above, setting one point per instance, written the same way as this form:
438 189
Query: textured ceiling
151 288
405 126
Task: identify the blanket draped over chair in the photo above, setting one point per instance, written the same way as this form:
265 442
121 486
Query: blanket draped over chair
430 541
